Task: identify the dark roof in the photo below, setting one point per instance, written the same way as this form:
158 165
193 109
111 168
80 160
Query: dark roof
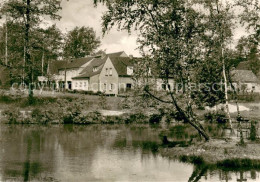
244 65
56 65
244 76
77 63
121 63
115 54
88 71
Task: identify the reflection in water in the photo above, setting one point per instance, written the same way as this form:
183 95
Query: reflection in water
96 152
198 172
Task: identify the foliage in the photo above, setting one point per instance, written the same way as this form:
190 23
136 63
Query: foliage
253 131
155 119
175 39
80 42
103 101
28 15
213 117
13 116
135 118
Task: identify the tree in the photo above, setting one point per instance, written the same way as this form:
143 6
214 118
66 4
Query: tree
250 18
48 45
29 14
170 38
219 27
15 49
80 42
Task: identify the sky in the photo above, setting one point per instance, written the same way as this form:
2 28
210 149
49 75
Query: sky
83 13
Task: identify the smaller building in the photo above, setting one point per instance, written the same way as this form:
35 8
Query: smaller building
245 81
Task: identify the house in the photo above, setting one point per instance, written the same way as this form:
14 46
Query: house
245 81
61 72
246 65
108 73
72 69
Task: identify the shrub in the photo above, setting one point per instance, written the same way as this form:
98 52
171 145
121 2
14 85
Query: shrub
94 117
6 99
103 101
155 119
13 116
113 119
212 117
136 118
253 131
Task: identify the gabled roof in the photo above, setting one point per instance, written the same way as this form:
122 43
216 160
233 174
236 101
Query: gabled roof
77 63
116 54
244 76
121 63
244 65
88 71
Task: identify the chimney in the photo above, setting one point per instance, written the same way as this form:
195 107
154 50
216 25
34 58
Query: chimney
103 55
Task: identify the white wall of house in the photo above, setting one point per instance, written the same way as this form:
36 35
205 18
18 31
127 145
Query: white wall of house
125 84
94 83
70 73
247 87
80 84
160 84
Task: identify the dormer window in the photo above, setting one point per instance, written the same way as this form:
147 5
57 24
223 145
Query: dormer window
130 70
95 69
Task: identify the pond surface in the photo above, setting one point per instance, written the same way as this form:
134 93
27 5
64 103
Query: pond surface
95 153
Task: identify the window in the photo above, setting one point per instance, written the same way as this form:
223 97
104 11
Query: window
106 71
169 86
105 86
111 87
80 84
130 70
85 84
110 71
253 87
76 84
128 86
163 86
95 69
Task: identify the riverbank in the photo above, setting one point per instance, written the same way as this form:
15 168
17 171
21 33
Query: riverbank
218 153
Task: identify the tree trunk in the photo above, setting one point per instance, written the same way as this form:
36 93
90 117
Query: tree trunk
6 43
192 121
226 88
27 52
42 62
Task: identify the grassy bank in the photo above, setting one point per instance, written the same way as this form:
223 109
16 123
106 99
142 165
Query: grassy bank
218 153
68 109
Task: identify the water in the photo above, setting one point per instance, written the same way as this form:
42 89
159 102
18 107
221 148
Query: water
95 153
